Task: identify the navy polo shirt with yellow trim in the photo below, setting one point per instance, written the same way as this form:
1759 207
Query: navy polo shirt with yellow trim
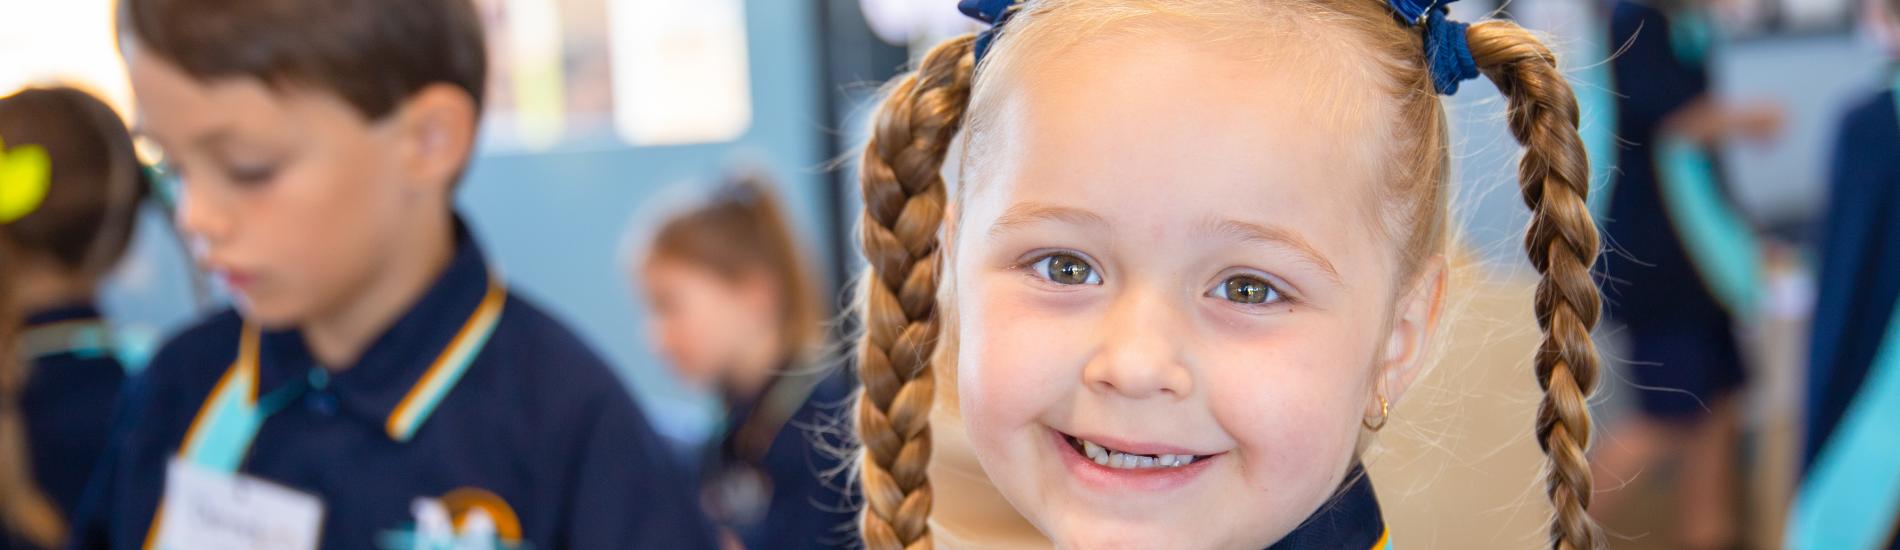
72 383
535 430
1351 520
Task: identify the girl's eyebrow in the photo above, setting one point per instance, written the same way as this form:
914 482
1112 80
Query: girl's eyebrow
1026 213
1272 235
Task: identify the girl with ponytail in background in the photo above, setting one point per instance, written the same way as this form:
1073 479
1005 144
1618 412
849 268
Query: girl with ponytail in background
70 187
734 311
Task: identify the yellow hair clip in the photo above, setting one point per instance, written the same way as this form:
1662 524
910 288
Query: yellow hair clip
25 174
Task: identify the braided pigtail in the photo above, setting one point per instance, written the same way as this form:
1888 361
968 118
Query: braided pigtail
1562 244
904 201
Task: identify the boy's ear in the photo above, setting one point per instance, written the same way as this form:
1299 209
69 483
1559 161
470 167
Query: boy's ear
1414 325
436 129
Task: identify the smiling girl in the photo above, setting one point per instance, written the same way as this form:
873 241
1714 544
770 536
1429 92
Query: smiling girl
1196 254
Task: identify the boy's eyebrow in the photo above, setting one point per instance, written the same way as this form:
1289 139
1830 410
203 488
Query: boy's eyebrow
214 138
1031 212
1274 235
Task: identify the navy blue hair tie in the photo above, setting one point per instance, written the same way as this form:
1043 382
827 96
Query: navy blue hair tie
1447 54
994 12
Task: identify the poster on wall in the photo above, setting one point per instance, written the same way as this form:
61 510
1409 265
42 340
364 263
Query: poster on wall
592 74
680 71
546 84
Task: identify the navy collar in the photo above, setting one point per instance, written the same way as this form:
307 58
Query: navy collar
395 362
754 421
1351 520
76 330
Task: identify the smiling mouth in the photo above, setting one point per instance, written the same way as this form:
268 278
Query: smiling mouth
1119 460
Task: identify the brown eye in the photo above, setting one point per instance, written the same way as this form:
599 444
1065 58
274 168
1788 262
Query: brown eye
1247 290
1067 269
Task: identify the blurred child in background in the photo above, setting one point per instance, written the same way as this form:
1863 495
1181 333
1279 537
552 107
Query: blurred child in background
1851 495
734 311
1682 262
69 193
377 385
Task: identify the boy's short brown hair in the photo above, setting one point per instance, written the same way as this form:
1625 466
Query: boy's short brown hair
373 53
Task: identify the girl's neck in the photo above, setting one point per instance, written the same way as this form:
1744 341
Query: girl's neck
338 336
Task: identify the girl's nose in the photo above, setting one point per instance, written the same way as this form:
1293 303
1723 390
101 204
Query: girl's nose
1141 354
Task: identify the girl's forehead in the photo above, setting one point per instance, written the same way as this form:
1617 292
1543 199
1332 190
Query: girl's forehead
1173 114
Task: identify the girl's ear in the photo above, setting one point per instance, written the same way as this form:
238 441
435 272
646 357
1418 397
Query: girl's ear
436 130
1413 327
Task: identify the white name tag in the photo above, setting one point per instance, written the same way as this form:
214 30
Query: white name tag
210 510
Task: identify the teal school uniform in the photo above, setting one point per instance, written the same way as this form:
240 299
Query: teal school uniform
1850 496
474 415
1671 279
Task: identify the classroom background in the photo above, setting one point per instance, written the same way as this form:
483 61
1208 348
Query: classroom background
605 113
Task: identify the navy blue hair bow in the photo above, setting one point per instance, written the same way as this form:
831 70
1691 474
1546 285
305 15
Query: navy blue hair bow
994 12
1447 53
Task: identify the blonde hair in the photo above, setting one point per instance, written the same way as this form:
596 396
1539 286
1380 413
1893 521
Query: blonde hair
904 205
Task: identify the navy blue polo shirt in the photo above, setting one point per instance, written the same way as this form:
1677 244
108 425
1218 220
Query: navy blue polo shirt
535 431
1859 278
807 506
72 384
1350 521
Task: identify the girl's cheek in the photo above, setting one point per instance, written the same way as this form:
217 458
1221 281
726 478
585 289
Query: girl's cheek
1014 357
1292 410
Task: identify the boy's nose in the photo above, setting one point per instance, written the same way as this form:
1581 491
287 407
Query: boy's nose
1141 353
197 215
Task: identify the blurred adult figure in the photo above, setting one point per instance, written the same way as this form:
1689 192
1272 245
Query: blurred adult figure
1850 497
1683 265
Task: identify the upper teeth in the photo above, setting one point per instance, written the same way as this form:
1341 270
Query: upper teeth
1129 461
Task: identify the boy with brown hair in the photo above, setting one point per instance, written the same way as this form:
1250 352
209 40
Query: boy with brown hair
376 385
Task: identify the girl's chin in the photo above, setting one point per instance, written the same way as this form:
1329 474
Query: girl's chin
1083 526
1090 535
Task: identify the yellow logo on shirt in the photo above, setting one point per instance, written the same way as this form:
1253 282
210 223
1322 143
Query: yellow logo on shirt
464 519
